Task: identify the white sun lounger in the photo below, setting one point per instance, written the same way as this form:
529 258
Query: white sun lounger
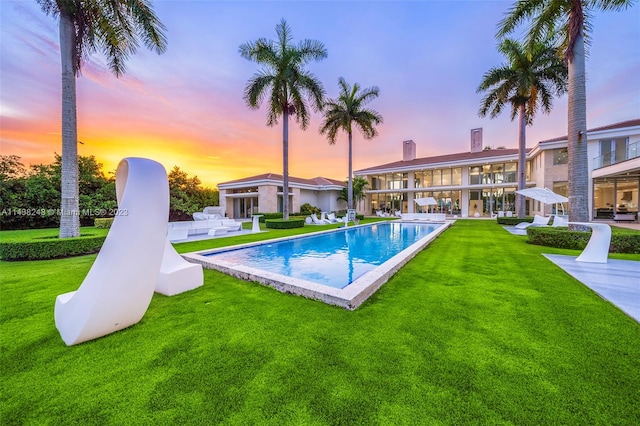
537 221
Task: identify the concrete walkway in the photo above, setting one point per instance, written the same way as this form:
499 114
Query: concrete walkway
617 281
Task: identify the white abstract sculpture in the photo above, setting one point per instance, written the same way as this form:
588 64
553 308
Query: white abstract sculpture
176 274
118 289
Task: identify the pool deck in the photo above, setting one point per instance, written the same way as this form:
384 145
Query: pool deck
617 281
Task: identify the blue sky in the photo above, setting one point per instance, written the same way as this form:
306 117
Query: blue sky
185 107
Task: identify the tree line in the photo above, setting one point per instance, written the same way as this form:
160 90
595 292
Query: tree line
30 196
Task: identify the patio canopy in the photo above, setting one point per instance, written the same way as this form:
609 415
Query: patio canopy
544 195
426 201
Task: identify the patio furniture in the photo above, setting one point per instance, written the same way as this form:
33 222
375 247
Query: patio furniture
210 212
597 249
176 274
537 221
116 292
255 226
317 221
559 221
332 218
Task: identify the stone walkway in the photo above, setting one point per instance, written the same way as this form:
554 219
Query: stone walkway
617 281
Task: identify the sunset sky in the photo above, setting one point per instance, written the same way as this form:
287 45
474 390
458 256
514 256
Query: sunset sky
185 107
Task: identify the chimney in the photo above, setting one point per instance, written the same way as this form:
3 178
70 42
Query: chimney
408 150
476 140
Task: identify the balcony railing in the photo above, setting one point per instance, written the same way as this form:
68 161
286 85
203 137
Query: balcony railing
611 158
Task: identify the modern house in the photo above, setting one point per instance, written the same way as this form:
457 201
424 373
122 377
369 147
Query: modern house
480 182
263 194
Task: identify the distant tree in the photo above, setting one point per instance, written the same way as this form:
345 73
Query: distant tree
527 82
287 85
568 20
114 27
347 112
186 195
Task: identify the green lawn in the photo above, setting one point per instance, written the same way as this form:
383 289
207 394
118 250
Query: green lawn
479 328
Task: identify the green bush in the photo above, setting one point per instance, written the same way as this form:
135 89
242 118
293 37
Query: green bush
50 248
621 241
307 209
267 216
103 223
284 224
510 221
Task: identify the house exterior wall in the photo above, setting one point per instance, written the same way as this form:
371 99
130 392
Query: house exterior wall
268 199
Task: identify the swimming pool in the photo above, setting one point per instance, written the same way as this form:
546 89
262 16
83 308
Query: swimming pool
342 267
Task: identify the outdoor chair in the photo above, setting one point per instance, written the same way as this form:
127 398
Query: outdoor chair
560 221
537 221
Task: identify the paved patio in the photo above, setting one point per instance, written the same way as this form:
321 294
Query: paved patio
617 281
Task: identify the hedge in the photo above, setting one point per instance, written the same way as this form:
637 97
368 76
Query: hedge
621 242
510 221
267 216
50 248
284 224
103 223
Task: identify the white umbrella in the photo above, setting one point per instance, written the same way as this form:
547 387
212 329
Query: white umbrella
544 195
426 201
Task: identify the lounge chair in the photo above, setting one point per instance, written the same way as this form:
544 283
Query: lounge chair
317 221
560 221
537 221
331 217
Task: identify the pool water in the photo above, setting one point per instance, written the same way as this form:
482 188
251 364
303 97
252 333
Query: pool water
333 259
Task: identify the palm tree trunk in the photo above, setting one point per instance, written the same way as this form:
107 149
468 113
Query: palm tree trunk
350 179
522 172
70 214
285 164
578 185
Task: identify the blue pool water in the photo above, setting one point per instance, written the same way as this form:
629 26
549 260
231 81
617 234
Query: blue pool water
333 259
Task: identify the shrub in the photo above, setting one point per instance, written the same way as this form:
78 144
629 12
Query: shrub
307 209
284 224
510 221
621 241
267 216
103 223
50 248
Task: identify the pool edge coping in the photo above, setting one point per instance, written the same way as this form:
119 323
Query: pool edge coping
349 297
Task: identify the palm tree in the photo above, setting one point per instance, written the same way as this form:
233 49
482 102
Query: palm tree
345 112
287 84
115 28
567 20
359 186
527 82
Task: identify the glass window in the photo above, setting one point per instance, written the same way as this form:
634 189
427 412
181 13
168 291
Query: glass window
428 178
418 178
497 171
446 177
456 176
486 174
560 156
510 172
437 178
474 175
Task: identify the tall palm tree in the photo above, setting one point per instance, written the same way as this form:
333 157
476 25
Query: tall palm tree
567 20
114 27
528 81
289 87
345 112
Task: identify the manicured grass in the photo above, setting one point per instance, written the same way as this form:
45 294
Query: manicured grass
47 233
479 328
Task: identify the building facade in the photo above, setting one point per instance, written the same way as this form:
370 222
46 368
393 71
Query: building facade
482 182
245 197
